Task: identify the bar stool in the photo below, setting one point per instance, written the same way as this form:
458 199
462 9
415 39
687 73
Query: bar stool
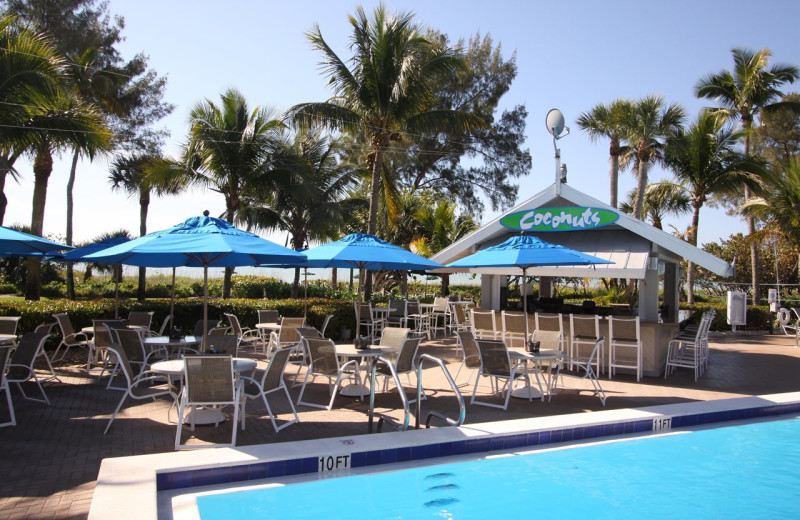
624 333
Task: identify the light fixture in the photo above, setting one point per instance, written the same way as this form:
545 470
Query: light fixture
555 125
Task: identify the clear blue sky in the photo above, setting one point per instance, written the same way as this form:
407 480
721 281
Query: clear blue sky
570 55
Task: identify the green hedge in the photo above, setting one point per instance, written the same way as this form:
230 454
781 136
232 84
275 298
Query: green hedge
187 311
758 316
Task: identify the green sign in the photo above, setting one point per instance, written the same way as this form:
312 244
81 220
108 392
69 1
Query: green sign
559 219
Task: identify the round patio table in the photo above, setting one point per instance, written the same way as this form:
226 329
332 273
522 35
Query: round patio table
539 359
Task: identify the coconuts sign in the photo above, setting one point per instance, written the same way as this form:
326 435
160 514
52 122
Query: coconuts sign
559 219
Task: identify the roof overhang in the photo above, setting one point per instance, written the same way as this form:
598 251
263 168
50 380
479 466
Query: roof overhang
634 246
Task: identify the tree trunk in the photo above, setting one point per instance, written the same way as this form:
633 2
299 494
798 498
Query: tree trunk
350 286
377 166
70 210
296 283
613 176
692 240
230 213
42 168
144 206
445 284
334 278
6 164
641 185
755 268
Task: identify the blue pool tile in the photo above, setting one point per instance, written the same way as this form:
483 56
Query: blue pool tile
373 457
544 437
181 479
417 453
515 441
431 451
496 443
359 460
617 428
643 426
388 456
163 481
445 449
275 468
555 436
294 467
310 465
403 454
459 447
239 473
211 476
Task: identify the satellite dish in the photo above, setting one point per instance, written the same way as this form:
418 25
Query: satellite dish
555 122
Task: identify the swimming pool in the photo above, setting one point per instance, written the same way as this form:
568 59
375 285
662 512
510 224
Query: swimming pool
746 471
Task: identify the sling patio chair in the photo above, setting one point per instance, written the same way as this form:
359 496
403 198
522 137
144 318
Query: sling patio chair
585 370
12 421
20 367
271 382
248 338
69 338
208 381
134 387
325 363
471 357
102 339
287 335
404 363
483 323
496 365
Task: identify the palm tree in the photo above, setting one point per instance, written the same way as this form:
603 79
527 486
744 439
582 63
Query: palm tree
56 119
30 66
660 200
227 147
647 127
779 206
706 163
130 174
101 87
308 193
743 93
441 227
386 91
608 122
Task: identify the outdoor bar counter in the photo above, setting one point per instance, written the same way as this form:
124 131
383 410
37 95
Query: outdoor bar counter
655 341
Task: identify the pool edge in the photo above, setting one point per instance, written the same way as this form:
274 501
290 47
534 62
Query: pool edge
128 485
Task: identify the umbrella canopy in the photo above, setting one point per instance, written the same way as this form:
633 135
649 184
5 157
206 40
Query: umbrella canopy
525 251
199 242
17 243
362 251
77 254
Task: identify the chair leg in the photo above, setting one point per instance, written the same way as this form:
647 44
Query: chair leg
179 428
116 411
7 389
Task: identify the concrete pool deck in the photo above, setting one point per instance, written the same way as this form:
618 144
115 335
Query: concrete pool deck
51 458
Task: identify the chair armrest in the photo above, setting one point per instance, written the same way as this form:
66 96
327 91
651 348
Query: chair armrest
77 336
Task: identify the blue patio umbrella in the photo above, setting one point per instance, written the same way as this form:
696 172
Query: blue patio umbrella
78 254
17 243
199 242
524 252
363 251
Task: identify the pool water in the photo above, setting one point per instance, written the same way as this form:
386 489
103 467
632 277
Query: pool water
748 471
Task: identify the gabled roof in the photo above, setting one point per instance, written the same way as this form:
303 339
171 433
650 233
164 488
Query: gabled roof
629 242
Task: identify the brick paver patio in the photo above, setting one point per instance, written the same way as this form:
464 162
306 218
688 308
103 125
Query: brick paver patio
50 460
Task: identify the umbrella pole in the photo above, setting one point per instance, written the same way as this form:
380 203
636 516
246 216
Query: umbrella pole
205 307
305 293
172 301
525 303
116 290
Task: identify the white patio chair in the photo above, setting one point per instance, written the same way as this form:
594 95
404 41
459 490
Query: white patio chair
287 335
584 367
208 381
69 338
367 320
688 351
439 316
248 338
4 387
624 335
496 365
471 357
141 319
483 324
20 367
513 327
415 319
325 363
101 340
584 331
271 381
133 384
404 363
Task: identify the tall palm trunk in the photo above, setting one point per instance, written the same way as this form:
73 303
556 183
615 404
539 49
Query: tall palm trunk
755 268
296 283
613 174
232 204
692 240
144 206
42 168
70 186
641 186
377 165
334 278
